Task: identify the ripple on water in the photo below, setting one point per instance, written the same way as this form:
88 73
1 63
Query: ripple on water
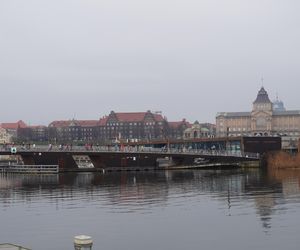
196 203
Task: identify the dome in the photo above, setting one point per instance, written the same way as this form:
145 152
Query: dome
278 105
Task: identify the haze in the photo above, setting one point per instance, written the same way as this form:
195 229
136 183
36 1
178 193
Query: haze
191 58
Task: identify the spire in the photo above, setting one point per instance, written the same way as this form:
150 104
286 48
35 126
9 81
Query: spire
262 82
262 96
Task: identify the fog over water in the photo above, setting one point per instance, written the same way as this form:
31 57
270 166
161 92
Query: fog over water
71 58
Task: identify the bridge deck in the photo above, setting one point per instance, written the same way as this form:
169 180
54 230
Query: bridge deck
146 150
97 159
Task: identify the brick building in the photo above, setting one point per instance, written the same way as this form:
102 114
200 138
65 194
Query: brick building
117 126
32 133
176 129
73 131
132 126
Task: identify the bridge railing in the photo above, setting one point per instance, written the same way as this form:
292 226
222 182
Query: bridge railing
129 149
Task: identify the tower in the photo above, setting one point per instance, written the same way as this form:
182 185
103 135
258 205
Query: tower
262 101
261 115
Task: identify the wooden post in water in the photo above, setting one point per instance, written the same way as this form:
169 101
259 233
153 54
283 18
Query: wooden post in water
83 242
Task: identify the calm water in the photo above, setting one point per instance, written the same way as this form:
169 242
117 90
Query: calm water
174 210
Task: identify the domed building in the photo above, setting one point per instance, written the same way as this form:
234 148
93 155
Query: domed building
266 119
278 105
198 130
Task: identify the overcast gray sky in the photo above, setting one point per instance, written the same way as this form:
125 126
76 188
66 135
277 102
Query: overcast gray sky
61 59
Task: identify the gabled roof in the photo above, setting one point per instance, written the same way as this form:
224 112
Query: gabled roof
14 125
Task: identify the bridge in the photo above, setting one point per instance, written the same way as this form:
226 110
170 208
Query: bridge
126 158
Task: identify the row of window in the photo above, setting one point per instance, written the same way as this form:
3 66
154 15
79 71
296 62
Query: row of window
233 129
133 123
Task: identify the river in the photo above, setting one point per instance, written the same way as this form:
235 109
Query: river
167 210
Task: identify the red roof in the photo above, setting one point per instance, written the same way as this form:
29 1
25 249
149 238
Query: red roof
82 123
88 123
103 121
59 124
179 123
174 124
137 117
158 118
131 117
14 125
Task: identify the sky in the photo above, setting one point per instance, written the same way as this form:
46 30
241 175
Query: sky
65 59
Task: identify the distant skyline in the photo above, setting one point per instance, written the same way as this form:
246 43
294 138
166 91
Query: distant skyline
189 59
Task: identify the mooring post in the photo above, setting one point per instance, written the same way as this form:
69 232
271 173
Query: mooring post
83 242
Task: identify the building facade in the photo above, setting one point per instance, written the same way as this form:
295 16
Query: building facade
132 126
198 130
32 133
176 129
12 128
111 128
73 131
115 127
266 119
5 137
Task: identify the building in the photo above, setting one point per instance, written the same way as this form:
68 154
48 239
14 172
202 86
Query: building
115 127
132 126
5 137
266 119
176 129
198 130
69 131
108 129
13 127
37 133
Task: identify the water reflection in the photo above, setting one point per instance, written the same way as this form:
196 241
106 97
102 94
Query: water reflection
234 193
156 187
